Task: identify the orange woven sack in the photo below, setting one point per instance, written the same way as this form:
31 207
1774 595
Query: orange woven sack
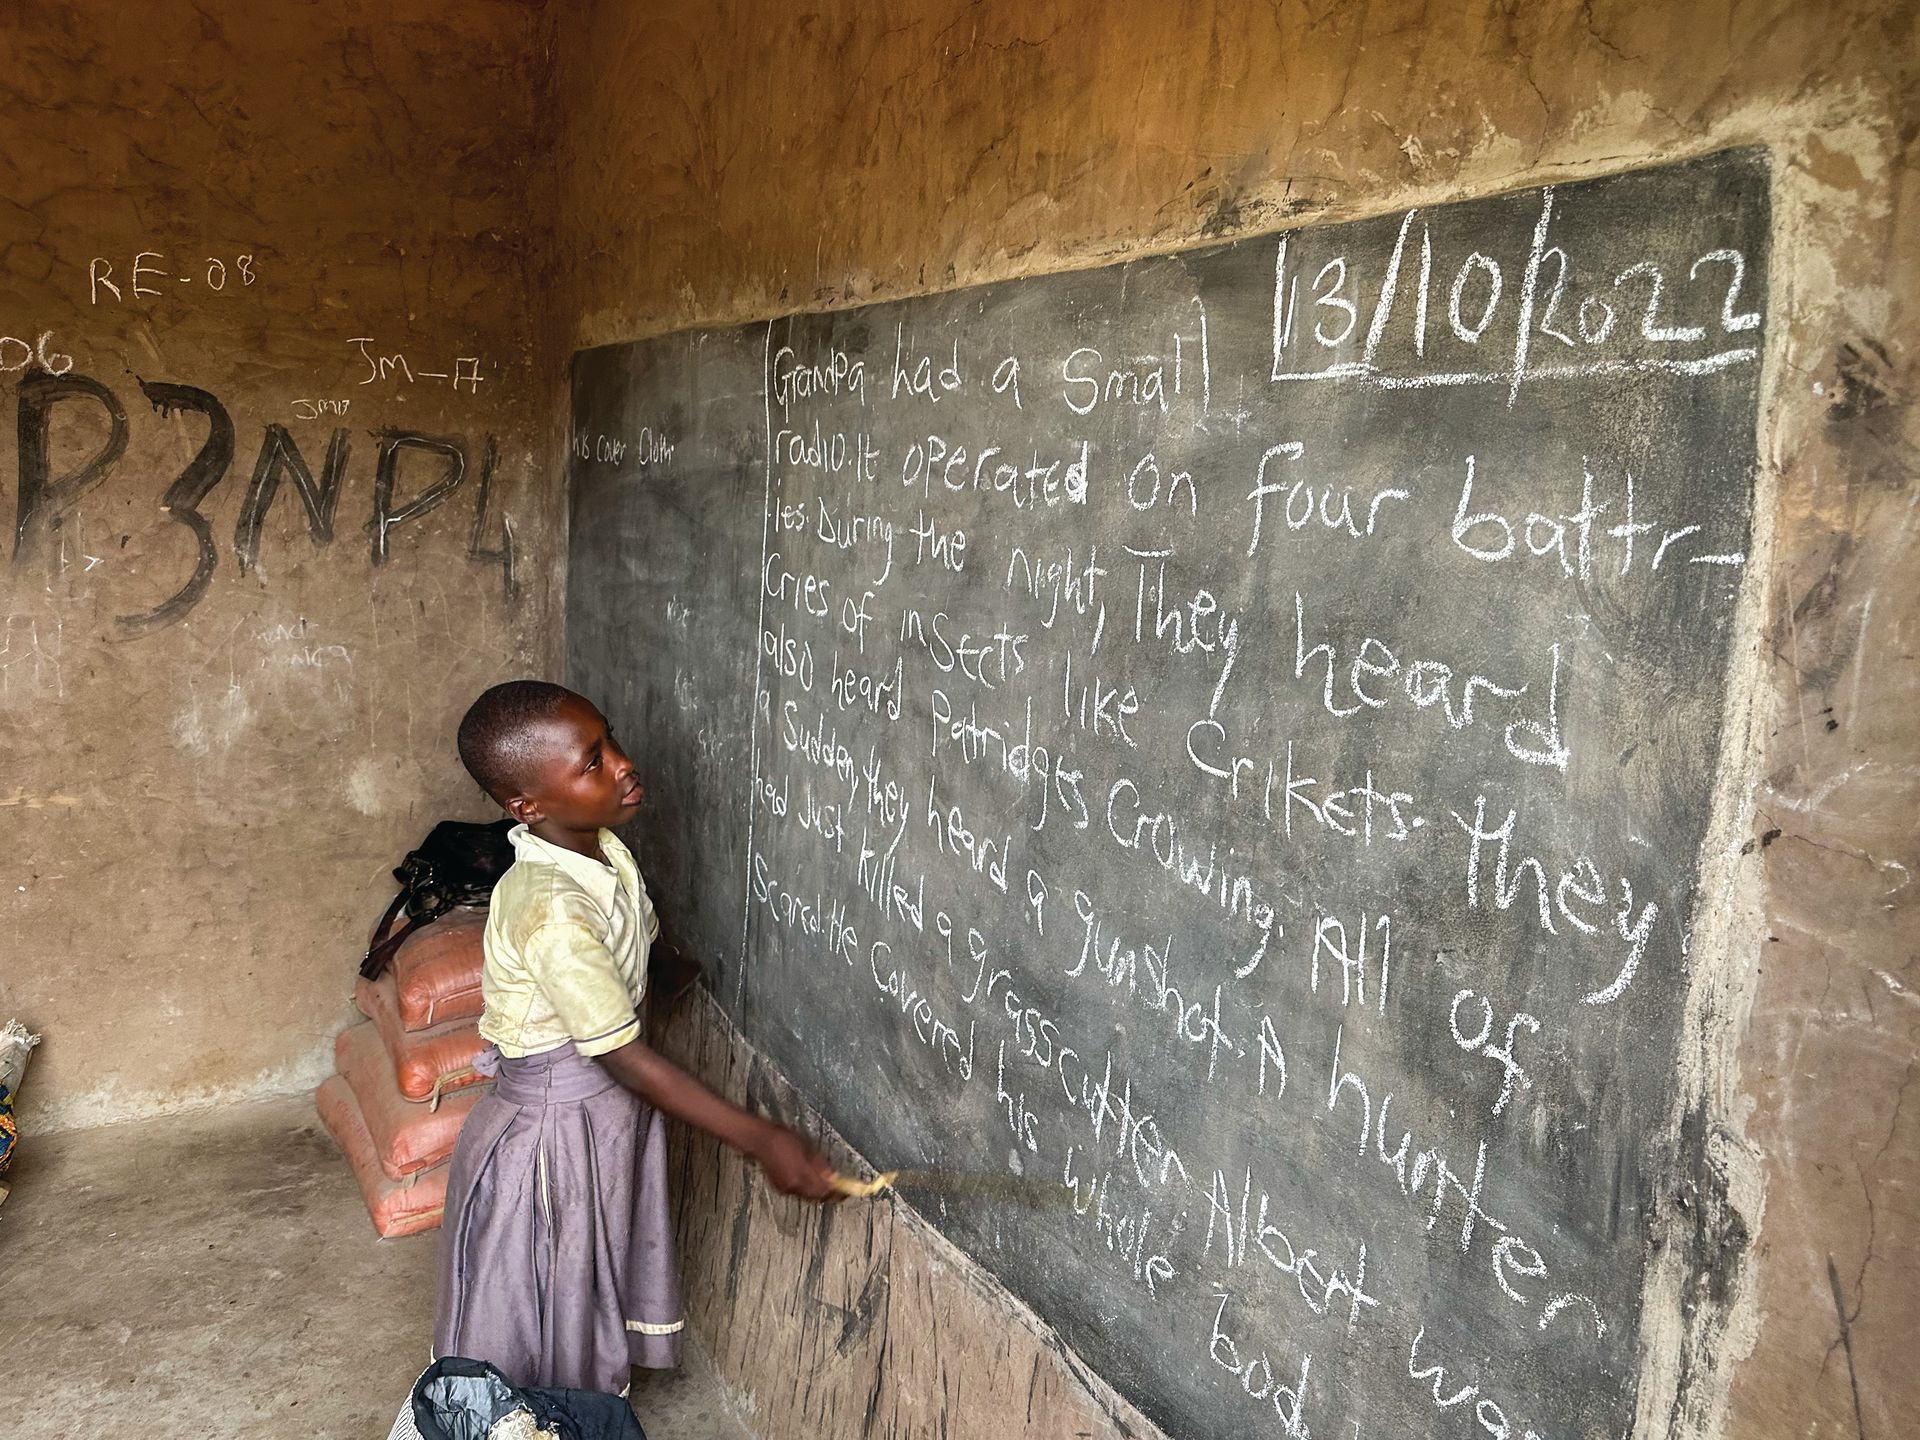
426 1063
437 972
397 1207
407 1137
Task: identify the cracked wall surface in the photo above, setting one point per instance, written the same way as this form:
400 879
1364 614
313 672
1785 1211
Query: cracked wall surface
723 163
248 252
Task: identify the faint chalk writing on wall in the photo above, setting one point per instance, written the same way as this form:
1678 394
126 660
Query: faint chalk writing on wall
152 273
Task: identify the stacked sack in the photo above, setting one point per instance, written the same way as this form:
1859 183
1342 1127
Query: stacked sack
406 1081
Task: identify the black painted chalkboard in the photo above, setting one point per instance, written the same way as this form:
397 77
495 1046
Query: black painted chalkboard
1235 734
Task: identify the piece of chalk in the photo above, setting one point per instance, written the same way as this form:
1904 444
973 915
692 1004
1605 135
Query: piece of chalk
863 1189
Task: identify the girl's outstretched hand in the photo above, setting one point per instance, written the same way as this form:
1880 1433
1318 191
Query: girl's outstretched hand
793 1167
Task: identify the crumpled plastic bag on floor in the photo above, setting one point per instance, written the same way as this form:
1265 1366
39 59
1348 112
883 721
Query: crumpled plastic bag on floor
15 1046
458 1399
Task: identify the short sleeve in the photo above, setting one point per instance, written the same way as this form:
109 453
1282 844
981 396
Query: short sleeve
577 973
649 917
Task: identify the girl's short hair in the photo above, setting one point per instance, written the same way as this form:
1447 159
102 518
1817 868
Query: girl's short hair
495 736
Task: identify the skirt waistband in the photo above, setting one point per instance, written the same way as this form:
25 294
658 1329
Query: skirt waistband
553 1077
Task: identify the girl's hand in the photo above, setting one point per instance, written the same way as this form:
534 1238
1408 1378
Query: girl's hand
793 1167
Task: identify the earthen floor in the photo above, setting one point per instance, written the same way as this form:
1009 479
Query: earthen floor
216 1275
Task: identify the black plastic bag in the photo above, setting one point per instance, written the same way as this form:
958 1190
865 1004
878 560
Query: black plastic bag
458 863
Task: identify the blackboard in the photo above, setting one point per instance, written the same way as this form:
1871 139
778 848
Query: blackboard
1229 738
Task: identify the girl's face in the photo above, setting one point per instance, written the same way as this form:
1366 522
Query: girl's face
579 780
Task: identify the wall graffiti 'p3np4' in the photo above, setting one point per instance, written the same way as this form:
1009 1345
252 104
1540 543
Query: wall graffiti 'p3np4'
45 498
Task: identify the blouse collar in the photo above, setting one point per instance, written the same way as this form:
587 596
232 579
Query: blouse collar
599 879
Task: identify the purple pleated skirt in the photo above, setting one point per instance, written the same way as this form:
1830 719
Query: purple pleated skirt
556 1253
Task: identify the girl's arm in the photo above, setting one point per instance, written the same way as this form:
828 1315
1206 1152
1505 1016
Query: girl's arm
790 1164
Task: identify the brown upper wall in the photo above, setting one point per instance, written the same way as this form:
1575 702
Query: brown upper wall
722 163
200 807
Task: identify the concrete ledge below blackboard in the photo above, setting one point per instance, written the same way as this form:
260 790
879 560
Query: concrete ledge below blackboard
859 1319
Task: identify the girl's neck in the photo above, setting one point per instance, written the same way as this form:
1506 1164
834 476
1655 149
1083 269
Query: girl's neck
581 842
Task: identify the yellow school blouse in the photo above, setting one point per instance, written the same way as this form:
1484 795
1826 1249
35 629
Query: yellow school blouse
566 949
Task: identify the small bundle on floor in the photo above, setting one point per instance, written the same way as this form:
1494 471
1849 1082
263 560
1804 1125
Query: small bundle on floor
16 1044
405 1081
460 1399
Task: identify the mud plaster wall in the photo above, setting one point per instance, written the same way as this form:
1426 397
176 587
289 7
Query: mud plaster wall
723 163
200 809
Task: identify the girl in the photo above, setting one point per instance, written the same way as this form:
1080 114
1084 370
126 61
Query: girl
556 1253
